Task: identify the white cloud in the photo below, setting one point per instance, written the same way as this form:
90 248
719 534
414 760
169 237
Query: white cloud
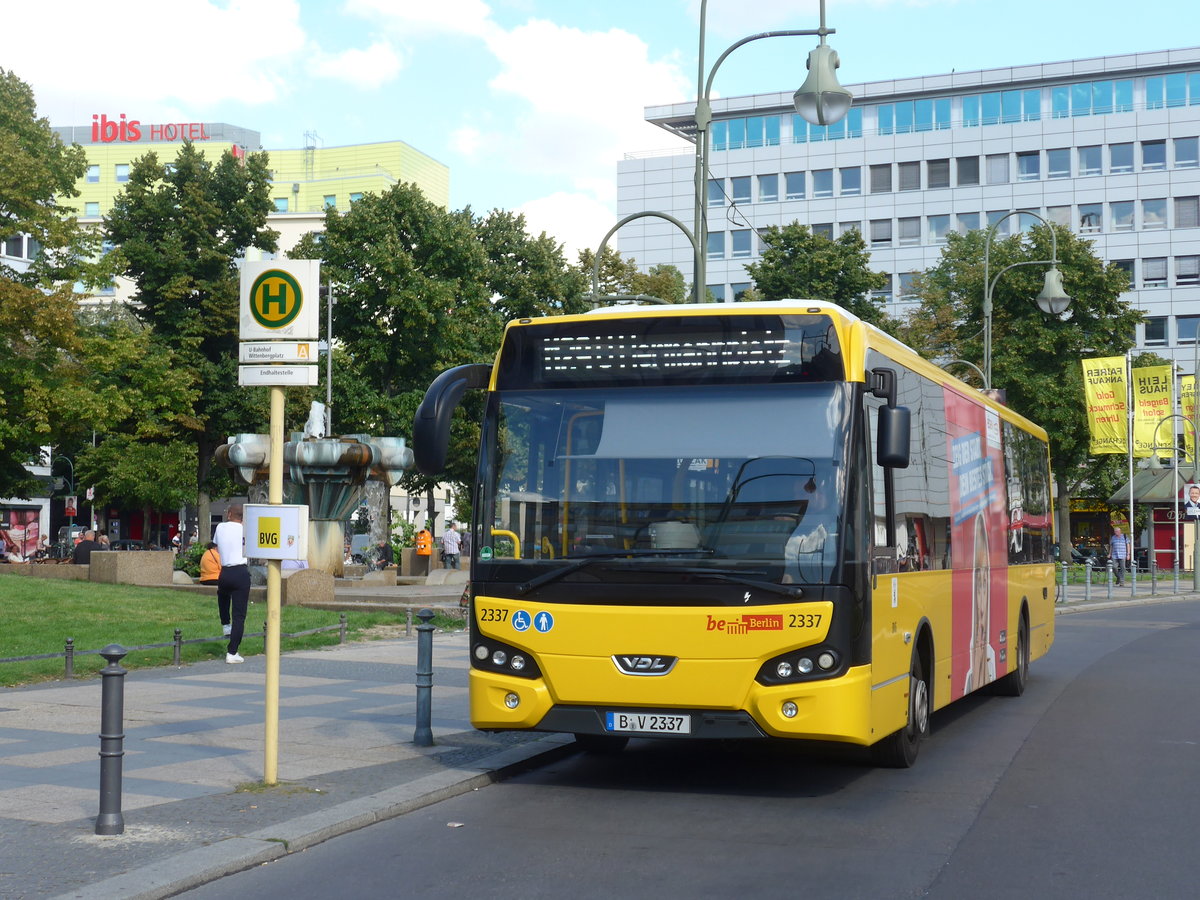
416 18
578 221
369 69
468 141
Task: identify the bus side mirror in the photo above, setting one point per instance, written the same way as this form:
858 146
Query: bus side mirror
895 427
431 426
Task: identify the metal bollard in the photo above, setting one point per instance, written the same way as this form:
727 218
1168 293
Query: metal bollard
1131 568
1175 577
341 628
1153 580
69 658
112 738
408 622
1064 582
1087 580
178 647
423 735
1109 565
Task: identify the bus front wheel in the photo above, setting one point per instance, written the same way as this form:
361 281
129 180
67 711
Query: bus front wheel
1013 684
899 750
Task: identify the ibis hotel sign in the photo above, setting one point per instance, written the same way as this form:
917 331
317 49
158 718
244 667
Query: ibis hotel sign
280 300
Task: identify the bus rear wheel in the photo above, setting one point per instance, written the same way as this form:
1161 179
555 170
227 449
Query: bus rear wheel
899 750
1013 684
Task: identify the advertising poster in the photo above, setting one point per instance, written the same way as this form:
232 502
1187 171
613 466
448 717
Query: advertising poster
1104 393
1152 403
1187 404
978 528
19 533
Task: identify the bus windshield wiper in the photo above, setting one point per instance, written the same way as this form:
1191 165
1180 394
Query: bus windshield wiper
583 561
793 591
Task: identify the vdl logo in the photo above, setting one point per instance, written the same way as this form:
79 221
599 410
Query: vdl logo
275 299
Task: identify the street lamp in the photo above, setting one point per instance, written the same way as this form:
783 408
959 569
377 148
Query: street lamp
1053 300
821 100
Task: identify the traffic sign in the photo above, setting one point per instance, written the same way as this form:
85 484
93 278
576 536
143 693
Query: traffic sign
280 299
277 352
278 376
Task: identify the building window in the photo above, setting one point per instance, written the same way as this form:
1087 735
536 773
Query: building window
822 182
1058 163
1091 218
1187 271
1059 215
1091 98
740 243
768 188
1029 166
968 170
1120 158
793 183
824 229
1126 266
1121 215
716 245
355 197
906 284
909 231
331 200
740 188
881 178
844 227
1167 90
1154 214
1187 153
881 233
995 219
122 172
93 174
967 222
1187 212
716 192
997 168
937 173
851 181
850 126
1156 330
739 290
884 294
281 204
1154 155
908 176
1154 272
91 210
939 227
1002 106
717 291
1089 160
737 134
908 116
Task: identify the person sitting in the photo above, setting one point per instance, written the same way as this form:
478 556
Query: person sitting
82 555
210 565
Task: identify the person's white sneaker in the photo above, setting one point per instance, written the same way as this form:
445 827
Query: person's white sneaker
234 658
226 630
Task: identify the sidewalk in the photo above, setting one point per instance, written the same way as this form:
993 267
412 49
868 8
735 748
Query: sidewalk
194 735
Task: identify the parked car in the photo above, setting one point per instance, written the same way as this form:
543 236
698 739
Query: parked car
124 544
1079 557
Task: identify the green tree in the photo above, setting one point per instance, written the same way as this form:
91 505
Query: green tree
528 275
663 281
38 338
180 229
616 275
1035 357
796 263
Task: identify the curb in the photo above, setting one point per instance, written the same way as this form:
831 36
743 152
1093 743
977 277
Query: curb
193 868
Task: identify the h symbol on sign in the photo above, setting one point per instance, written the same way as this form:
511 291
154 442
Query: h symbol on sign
276 297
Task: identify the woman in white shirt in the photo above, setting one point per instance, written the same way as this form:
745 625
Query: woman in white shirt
233 584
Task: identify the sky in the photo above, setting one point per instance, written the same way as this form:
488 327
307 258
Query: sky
530 103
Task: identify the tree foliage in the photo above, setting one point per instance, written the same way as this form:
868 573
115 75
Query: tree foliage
180 228
38 337
796 263
663 281
1035 356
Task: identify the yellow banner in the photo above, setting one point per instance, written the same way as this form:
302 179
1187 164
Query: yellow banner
1104 392
1152 403
1187 400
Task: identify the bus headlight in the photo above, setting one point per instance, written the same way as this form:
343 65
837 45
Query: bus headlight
784 670
499 658
482 652
517 663
789 710
826 660
494 656
821 661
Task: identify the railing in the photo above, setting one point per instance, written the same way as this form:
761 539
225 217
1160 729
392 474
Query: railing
69 652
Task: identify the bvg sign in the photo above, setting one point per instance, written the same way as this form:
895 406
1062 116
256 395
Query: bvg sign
280 300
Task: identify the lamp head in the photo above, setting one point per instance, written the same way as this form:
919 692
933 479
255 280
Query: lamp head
821 100
1053 299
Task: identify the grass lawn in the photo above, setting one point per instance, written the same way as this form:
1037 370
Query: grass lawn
39 615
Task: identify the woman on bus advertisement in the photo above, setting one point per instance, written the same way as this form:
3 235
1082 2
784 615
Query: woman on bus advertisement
978 516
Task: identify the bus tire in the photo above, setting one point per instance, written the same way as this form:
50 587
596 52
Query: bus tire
899 749
600 744
1013 684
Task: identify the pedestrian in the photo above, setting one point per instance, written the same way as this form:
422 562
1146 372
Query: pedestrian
1118 552
451 546
233 584
82 554
210 565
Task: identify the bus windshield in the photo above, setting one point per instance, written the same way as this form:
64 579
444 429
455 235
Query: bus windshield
733 483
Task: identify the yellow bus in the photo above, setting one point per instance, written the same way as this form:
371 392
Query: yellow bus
751 520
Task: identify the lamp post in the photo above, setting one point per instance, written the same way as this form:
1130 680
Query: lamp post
820 100
1052 300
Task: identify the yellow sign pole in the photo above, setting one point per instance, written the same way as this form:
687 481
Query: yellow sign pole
274 592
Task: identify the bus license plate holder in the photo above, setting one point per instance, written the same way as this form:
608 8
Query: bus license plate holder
647 723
